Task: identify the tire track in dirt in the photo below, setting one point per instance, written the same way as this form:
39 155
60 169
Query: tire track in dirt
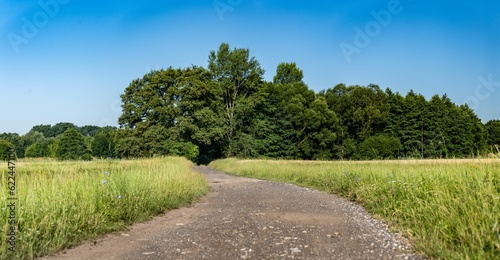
244 218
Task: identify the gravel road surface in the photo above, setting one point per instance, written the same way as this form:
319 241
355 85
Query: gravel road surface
244 218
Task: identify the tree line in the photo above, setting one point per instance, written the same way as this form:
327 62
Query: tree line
228 110
64 141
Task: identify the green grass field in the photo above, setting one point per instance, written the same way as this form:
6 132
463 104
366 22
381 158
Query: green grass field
449 209
62 203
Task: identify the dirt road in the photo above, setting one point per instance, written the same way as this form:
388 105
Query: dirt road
250 219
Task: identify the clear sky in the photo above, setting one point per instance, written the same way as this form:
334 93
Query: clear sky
70 60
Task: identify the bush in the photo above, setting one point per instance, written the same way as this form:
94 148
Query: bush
187 150
378 147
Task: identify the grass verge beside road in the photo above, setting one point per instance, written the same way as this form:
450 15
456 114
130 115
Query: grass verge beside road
61 204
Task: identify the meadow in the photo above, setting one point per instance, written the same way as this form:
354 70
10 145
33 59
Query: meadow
448 209
60 204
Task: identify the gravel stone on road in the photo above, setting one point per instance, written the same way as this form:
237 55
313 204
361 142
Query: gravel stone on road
243 218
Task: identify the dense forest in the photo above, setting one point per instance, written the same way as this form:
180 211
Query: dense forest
229 110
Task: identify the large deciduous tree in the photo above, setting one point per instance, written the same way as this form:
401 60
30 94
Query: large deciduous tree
239 76
172 112
150 111
362 112
71 146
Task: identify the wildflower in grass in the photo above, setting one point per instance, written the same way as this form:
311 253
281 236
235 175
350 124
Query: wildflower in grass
119 196
106 173
104 181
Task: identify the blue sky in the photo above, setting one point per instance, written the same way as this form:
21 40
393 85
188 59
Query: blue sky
70 60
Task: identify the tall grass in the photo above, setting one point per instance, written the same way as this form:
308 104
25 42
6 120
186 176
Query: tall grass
62 203
448 209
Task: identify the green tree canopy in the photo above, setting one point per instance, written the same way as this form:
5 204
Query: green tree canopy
493 129
5 147
103 143
18 141
71 146
288 73
44 129
89 130
39 149
228 109
239 76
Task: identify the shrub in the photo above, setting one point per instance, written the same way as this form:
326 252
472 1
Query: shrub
378 147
